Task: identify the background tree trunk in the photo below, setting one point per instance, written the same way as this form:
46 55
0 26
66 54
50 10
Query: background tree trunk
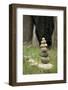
27 28
54 36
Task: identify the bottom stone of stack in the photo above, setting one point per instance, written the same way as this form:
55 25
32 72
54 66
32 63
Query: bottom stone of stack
45 66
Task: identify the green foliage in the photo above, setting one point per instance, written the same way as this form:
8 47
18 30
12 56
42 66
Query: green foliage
34 53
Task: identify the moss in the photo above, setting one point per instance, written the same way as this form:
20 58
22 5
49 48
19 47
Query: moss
34 53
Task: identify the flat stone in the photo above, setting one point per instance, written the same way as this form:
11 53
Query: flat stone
31 60
34 64
45 66
43 49
43 42
44 54
45 60
43 45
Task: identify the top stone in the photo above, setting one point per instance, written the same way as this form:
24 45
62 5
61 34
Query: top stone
43 39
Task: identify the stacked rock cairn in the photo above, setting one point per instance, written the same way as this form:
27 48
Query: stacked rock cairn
44 52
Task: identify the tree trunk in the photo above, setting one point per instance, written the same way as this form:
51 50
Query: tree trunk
27 28
54 36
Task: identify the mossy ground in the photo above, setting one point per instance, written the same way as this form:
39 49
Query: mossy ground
34 53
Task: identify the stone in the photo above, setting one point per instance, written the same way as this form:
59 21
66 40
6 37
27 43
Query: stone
44 54
43 42
34 64
43 49
43 39
45 66
45 60
43 45
31 60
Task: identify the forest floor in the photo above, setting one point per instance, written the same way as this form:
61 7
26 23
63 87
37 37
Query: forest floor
31 52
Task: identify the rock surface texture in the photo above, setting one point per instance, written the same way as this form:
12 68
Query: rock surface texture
44 56
44 52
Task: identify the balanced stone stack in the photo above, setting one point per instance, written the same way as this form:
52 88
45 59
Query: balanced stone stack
44 52
44 56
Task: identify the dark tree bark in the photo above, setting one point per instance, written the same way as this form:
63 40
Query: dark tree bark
44 28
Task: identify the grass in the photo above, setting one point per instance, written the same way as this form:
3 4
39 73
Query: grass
34 53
